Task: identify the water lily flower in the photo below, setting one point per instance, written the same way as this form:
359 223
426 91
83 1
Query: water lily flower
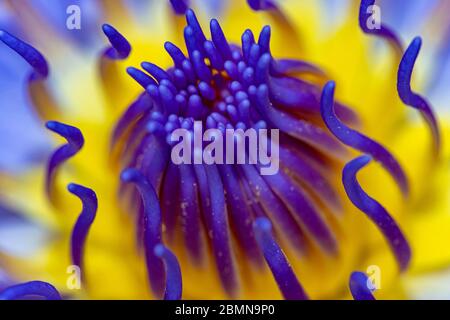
93 207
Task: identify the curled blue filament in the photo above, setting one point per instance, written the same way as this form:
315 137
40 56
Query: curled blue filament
412 99
376 212
45 105
84 221
152 227
383 31
120 47
33 288
28 53
359 287
359 141
75 142
282 271
174 287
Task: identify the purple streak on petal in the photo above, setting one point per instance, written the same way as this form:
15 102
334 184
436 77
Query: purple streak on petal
297 95
302 208
311 177
120 47
135 140
219 227
365 15
282 67
412 99
275 208
33 288
152 227
174 285
377 213
139 107
358 141
358 287
84 222
75 141
240 214
154 162
297 128
170 200
27 52
282 271
190 212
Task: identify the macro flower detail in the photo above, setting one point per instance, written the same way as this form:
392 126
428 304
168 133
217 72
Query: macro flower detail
152 227
359 288
34 288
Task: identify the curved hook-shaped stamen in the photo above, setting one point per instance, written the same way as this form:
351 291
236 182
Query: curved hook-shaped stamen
359 287
359 141
375 211
179 6
43 101
27 52
412 99
75 142
84 221
33 288
282 271
120 47
366 14
174 284
152 227
258 5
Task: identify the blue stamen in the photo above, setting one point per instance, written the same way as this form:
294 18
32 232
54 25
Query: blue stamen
174 288
359 287
84 221
377 213
175 53
221 43
152 227
179 6
359 141
247 41
264 39
282 271
140 77
213 55
156 72
33 288
258 5
199 36
121 48
412 99
75 142
385 32
27 52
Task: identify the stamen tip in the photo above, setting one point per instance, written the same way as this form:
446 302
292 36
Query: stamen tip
127 175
